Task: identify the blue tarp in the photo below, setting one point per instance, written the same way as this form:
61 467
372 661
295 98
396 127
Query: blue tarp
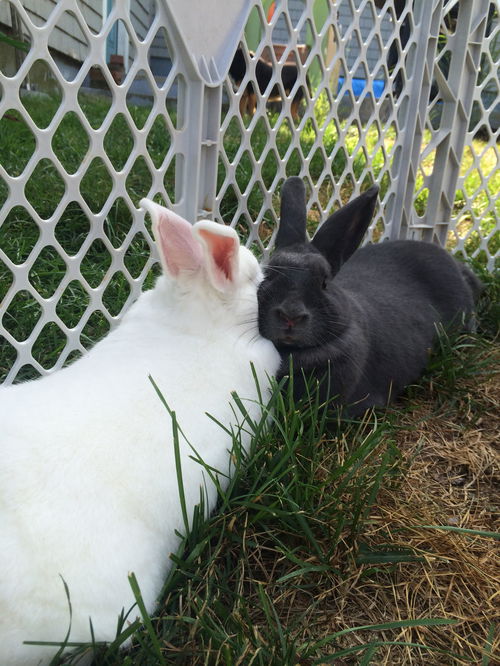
358 85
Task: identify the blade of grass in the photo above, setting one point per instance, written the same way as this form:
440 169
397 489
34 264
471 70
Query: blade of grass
65 643
461 530
177 456
146 619
327 659
486 660
398 624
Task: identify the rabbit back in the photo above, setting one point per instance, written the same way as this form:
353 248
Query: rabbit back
411 272
401 292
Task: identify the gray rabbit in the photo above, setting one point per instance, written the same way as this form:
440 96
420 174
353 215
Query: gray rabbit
362 325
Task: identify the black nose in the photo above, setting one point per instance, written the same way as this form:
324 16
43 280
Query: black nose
291 316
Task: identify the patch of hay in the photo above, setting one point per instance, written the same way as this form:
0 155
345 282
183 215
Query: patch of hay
452 479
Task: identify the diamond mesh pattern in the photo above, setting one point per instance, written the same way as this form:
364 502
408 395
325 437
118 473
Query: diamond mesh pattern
474 228
97 112
70 185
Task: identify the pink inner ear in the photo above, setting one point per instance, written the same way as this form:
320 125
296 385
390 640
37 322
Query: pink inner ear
224 252
180 250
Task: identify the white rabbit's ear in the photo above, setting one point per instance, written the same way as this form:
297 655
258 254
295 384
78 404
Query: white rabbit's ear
179 249
222 247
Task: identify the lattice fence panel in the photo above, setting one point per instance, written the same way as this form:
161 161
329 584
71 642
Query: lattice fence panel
99 111
474 226
81 142
334 125
390 105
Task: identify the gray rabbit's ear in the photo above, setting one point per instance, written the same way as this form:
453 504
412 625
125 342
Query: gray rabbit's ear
292 227
343 231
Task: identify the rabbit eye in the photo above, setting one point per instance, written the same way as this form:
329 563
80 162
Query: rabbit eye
324 284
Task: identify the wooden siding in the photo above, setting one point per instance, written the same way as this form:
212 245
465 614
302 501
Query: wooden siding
67 37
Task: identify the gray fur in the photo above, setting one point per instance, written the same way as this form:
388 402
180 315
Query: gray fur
363 325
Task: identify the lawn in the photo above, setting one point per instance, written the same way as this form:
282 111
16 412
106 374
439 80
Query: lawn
340 542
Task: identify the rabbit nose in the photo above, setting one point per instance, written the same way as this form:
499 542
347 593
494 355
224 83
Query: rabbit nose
291 317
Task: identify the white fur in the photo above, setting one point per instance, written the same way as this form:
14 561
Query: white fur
88 487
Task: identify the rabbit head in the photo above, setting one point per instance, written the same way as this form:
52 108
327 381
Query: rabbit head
299 306
207 261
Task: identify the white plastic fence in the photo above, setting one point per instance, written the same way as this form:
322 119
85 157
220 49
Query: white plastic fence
102 103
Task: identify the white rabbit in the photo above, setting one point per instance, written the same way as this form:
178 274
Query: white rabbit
88 485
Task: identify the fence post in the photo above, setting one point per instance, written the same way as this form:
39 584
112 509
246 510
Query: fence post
411 114
457 94
207 51
196 169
